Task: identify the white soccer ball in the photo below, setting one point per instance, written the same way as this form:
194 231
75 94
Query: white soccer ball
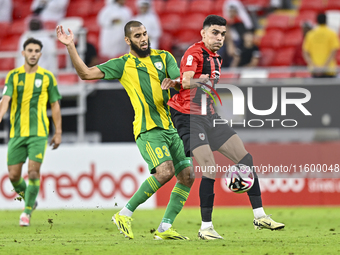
239 178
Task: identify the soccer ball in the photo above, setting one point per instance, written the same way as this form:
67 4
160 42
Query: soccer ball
239 178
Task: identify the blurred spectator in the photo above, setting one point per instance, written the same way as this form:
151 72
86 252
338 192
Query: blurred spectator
235 23
91 56
241 10
248 54
150 20
48 59
50 10
6 10
319 49
112 19
281 4
298 56
227 51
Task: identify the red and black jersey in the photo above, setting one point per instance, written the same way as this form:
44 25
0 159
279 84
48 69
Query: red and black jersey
201 60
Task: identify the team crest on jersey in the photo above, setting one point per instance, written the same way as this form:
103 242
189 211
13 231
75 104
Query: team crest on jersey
38 83
190 58
159 65
201 136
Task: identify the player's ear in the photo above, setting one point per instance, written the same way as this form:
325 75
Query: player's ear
23 53
127 40
203 33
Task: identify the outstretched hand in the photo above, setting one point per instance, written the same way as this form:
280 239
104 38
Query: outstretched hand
167 83
63 37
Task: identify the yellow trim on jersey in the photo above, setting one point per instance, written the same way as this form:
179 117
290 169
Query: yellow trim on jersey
25 105
157 91
14 104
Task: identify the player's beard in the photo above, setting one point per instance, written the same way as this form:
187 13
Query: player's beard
141 53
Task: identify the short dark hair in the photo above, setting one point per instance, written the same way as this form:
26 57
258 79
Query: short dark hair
321 18
214 20
132 23
34 41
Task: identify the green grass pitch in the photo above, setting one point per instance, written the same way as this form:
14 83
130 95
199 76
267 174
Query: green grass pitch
309 230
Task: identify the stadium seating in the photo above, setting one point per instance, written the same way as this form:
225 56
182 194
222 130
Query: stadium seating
158 6
314 5
10 43
79 9
292 38
188 37
272 39
201 6
305 16
284 57
177 6
276 75
4 28
170 22
21 10
18 27
192 21
267 56
166 41
7 64
333 5
278 21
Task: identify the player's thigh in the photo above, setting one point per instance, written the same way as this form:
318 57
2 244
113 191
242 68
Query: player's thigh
176 148
154 148
182 124
36 148
219 134
17 151
233 149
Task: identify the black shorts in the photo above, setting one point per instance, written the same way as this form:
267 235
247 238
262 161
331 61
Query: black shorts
198 130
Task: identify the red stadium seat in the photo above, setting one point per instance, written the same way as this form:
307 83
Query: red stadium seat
166 41
68 79
277 21
305 16
257 3
18 27
79 9
284 57
132 5
171 22
188 37
267 57
91 24
279 75
292 38
93 37
158 6
218 6
272 39
7 64
193 21
338 57
176 6
333 5
201 6
302 74
21 10
10 43
2 82
313 5
96 7
4 28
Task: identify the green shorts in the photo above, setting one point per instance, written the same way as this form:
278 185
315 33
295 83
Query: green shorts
159 145
19 148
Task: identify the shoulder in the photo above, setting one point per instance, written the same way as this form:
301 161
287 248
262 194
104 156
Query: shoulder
194 49
44 71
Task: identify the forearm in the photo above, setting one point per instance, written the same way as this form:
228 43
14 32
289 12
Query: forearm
330 58
4 102
307 58
56 117
78 63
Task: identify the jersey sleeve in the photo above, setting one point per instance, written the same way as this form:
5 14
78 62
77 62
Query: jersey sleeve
171 66
112 69
190 61
8 89
53 92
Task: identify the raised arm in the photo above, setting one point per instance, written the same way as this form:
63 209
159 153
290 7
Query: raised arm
4 103
84 72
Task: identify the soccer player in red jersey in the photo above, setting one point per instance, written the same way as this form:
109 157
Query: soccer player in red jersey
199 135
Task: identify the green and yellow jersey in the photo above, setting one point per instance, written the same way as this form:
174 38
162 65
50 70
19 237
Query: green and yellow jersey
30 93
142 78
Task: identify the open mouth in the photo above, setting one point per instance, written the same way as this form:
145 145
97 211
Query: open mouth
144 46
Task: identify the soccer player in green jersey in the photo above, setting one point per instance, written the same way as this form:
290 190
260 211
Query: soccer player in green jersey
29 87
146 75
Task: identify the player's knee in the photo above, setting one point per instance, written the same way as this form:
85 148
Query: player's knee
33 174
186 177
14 177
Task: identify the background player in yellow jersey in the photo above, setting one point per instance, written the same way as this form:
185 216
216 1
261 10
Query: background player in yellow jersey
143 73
29 87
